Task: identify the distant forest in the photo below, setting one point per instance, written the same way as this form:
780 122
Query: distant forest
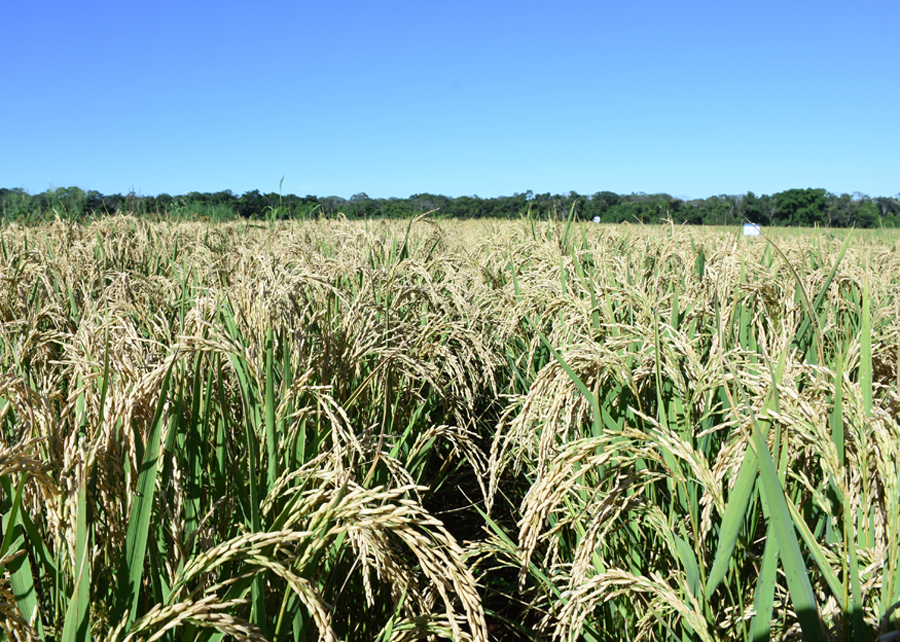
793 207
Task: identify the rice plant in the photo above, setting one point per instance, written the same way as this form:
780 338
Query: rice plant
470 431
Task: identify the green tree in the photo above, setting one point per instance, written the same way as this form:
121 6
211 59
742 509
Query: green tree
163 203
363 206
840 211
69 201
889 210
800 207
756 209
15 203
252 204
429 203
93 202
867 214
398 208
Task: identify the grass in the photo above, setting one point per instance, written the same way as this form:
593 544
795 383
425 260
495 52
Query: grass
481 430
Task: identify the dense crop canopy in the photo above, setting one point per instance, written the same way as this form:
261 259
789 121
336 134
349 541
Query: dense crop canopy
348 430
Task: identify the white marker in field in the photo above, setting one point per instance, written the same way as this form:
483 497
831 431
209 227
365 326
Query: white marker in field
751 229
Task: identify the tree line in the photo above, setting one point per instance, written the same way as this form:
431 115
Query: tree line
794 207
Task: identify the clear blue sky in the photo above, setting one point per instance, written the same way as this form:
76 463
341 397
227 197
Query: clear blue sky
392 98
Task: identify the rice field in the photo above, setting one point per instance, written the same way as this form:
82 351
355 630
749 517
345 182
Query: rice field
397 431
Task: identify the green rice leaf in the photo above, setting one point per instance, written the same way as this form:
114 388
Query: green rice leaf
689 562
132 571
77 625
761 623
736 509
802 596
